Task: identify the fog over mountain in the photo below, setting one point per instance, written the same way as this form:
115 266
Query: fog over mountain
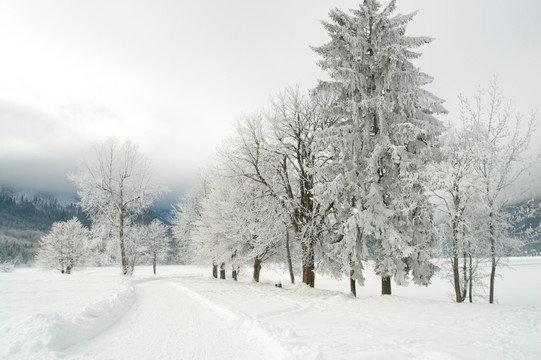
174 78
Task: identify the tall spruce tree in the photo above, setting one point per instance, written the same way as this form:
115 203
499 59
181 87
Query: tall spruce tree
377 150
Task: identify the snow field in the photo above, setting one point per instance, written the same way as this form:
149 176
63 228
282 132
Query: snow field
183 313
322 324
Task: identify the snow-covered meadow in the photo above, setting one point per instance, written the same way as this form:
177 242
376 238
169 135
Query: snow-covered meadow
183 313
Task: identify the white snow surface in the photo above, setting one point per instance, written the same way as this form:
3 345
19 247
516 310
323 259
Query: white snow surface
183 313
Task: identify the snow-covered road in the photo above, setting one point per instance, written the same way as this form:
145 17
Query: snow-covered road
167 322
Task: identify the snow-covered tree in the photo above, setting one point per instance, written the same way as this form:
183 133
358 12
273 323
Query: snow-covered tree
260 220
277 151
136 246
213 237
501 138
103 244
157 242
457 190
64 247
237 224
374 179
186 213
115 184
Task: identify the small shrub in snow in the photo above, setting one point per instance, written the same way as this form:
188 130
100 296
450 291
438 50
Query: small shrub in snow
7 266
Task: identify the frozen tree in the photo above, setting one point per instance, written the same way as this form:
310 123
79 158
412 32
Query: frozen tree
501 139
115 185
213 237
458 191
157 241
277 151
260 220
374 179
185 214
64 247
104 248
136 243
237 224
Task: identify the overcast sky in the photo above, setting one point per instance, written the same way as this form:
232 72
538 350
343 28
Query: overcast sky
173 76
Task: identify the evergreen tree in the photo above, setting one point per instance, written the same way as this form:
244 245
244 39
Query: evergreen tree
377 150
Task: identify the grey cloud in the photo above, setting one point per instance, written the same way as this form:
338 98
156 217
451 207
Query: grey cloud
17 119
37 174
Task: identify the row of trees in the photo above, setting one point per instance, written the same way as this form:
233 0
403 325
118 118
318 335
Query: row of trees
359 169
70 244
355 170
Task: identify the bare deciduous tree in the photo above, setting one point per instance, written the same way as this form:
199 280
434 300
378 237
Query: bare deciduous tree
501 139
115 184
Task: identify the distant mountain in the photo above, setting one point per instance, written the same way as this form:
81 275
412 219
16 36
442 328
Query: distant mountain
25 218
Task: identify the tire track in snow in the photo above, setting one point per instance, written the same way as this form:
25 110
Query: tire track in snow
236 302
164 323
249 328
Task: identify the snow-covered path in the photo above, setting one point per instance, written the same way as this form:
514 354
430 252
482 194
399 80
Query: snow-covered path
182 313
166 322
201 318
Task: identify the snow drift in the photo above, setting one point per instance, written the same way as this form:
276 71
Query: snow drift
44 332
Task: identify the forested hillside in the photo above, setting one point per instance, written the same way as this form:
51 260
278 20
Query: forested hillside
528 228
25 218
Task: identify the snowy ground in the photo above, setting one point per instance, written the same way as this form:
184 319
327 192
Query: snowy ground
182 313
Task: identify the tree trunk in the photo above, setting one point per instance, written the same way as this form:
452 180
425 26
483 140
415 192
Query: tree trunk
456 279
465 277
234 273
154 264
289 263
123 256
131 266
352 285
470 280
454 261
257 268
215 271
492 273
308 275
492 258
222 271
386 285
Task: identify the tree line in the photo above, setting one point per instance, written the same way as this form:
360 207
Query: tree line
360 169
